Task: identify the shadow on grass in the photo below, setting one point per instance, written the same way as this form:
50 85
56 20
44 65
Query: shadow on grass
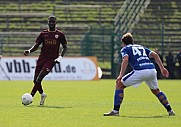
164 116
58 107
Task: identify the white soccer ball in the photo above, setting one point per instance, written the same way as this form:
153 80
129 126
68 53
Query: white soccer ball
27 99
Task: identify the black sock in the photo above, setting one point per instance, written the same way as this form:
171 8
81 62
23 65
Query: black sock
116 107
32 94
168 107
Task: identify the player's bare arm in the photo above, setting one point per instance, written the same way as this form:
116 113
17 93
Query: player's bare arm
64 50
32 49
164 71
124 65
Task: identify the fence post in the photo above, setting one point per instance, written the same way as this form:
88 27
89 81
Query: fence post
53 10
162 36
19 6
112 57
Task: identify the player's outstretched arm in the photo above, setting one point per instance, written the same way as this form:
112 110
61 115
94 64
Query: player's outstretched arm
32 49
164 71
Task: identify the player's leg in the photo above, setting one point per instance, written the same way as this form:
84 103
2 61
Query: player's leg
37 82
46 69
39 67
132 78
163 100
118 98
39 88
34 89
40 77
153 85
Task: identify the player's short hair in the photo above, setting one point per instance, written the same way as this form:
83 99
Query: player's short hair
127 39
52 16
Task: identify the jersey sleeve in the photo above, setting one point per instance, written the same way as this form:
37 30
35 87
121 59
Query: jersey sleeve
63 39
148 51
39 39
124 52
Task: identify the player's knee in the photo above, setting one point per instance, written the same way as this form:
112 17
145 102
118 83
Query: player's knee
119 86
155 91
41 76
38 80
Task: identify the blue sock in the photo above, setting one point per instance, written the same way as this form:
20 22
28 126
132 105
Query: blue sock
161 96
118 99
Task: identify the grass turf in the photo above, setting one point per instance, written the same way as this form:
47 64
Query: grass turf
82 104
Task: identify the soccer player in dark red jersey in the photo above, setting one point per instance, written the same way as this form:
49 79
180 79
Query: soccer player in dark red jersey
50 40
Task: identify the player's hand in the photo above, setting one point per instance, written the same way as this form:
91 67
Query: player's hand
26 52
57 60
118 80
165 72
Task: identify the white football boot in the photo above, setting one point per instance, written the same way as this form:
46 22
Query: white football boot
112 113
43 97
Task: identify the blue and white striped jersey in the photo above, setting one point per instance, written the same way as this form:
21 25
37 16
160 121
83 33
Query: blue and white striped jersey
138 56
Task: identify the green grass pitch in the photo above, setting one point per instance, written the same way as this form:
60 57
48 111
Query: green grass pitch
82 104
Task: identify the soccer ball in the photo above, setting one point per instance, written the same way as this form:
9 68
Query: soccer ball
27 99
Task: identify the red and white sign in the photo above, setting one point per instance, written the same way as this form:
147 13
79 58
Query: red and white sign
70 68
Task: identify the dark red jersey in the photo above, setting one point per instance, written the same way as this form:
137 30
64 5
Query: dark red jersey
50 41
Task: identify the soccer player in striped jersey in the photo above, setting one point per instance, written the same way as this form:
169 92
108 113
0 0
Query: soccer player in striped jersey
143 70
50 39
